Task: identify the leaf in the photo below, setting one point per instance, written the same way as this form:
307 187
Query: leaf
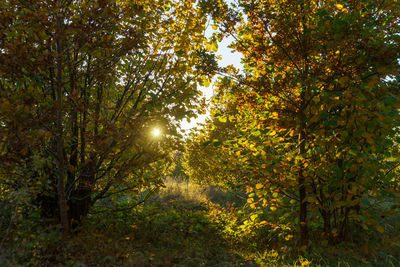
217 143
222 119
288 237
215 45
206 143
259 185
179 53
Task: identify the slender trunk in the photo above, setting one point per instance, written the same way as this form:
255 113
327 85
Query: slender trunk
73 160
302 135
84 97
302 189
81 195
97 110
344 226
326 215
62 201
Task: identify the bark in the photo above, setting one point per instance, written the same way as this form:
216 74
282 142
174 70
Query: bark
73 160
62 201
302 136
344 228
302 191
326 216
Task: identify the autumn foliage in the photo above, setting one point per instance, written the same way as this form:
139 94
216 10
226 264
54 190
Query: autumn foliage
299 153
316 107
82 84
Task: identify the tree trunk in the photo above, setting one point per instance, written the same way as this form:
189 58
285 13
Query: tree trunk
302 137
302 179
326 216
302 192
344 228
62 201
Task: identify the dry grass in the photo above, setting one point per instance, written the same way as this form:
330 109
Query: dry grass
184 189
189 192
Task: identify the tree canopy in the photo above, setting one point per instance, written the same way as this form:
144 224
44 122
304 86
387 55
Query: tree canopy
316 106
300 149
82 85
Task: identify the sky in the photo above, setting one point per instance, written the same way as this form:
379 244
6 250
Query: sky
228 58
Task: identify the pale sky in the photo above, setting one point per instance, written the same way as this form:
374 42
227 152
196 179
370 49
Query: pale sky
228 58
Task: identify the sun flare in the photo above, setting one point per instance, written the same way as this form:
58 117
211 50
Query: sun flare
156 132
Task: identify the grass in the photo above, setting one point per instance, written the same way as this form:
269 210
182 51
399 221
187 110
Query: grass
186 193
186 224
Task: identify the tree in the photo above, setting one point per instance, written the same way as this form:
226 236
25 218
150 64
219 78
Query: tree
318 104
81 84
206 158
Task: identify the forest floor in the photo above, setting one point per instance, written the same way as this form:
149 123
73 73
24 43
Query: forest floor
184 225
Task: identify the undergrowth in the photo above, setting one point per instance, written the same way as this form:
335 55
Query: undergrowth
191 225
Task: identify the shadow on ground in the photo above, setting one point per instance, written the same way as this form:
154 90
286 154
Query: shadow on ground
172 229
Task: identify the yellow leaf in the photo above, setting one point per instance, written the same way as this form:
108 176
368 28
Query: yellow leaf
250 200
259 185
288 237
339 6
272 133
237 153
222 119
380 229
273 208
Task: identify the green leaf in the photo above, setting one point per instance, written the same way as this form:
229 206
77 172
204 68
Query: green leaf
207 143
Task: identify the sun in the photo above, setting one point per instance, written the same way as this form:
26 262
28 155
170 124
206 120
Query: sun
156 132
